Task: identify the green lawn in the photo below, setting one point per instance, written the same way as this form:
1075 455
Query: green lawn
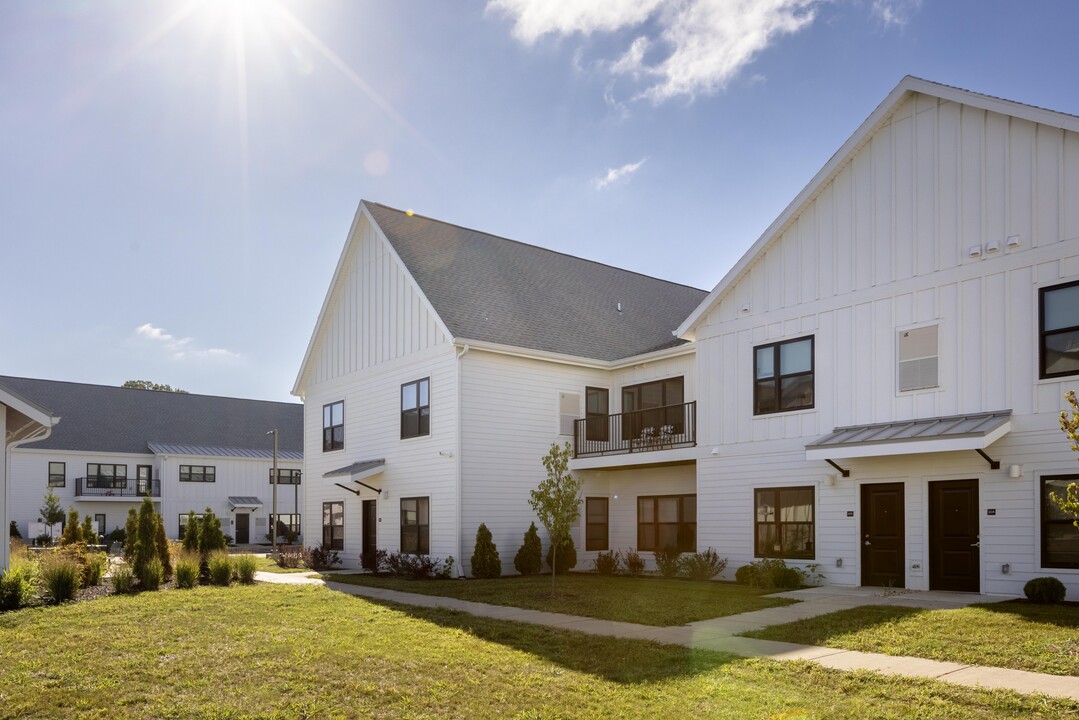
1040 638
290 652
266 564
647 601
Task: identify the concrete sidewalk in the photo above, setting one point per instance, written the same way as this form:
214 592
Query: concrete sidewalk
718 634
305 578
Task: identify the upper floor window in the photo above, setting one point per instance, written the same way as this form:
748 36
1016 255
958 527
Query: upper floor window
333 426
198 473
783 376
57 474
1060 539
99 475
917 368
286 476
1060 330
596 411
657 405
416 408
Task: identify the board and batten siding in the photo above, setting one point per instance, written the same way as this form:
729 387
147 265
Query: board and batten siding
510 417
884 246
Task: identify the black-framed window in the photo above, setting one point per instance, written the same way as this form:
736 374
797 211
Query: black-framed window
333 426
416 525
1060 537
653 405
597 408
665 521
416 408
198 473
784 522
333 525
783 376
286 521
99 523
596 523
106 475
1059 330
57 474
285 476
183 522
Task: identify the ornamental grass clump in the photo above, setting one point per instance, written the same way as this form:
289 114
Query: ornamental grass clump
485 560
94 569
123 579
220 568
186 570
245 566
17 585
60 577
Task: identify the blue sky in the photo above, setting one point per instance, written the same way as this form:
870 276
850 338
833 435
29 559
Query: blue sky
179 177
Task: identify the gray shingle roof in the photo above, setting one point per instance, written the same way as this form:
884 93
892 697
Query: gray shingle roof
114 419
496 290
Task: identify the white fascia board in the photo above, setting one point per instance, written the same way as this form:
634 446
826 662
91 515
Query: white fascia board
24 407
909 447
564 359
906 86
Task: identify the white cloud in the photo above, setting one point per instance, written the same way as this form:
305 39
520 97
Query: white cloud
615 174
701 44
896 12
184 348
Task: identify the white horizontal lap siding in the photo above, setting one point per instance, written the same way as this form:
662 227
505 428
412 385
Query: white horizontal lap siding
374 315
234 477
415 467
30 481
4 517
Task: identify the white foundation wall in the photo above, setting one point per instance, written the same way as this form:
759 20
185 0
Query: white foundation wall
425 466
1011 535
510 417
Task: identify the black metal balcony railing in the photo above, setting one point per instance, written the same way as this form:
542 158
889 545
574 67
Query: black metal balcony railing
117 487
664 428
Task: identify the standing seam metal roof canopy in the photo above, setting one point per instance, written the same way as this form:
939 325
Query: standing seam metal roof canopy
489 288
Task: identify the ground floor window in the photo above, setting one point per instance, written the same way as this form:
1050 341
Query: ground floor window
99 523
333 525
784 522
595 523
286 522
667 521
416 525
1060 537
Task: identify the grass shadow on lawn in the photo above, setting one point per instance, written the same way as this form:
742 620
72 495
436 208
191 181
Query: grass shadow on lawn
1064 615
623 661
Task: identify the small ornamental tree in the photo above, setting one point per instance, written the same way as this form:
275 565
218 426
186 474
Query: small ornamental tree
557 500
89 532
72 534
210 536
145 541
191 533
485 560
51 512
529 558
1069 423
131 530
162 542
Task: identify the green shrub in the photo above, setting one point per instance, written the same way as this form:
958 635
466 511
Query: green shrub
220 568
485 560
17 586
161 542
211 539
94 569
292 558
322 557
669 562
245 569
72 534
89 531
567 555
746 575
13 530
703 565
770 573
1045 590
607 563
123 578
186 571
529 558
118 535
151 574
417 567
60 577
634 563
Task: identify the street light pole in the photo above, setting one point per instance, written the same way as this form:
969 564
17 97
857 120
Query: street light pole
273 481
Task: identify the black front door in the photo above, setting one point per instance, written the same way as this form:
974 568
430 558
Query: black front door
883 535
243 528
954 552
370 534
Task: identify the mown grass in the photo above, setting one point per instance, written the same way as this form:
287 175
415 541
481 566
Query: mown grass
290 652
1018 635
266 564
647 600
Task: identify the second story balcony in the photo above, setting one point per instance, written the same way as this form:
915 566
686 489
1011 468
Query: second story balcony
662 428
116 488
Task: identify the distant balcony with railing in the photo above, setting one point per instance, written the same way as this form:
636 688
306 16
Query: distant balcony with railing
105 488
663 428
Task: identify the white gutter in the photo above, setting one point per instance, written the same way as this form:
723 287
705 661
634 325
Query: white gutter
458 482
5 522
561 358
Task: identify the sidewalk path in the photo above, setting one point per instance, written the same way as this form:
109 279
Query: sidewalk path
311 578
718 634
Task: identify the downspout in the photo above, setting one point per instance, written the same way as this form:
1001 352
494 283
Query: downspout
43 434
459 483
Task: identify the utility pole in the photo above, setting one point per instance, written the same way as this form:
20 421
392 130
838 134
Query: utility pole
273 481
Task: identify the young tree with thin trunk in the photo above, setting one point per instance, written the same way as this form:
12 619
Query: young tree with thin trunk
1069 423
51 512
557 500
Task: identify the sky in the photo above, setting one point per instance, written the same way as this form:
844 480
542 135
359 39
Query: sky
177 179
